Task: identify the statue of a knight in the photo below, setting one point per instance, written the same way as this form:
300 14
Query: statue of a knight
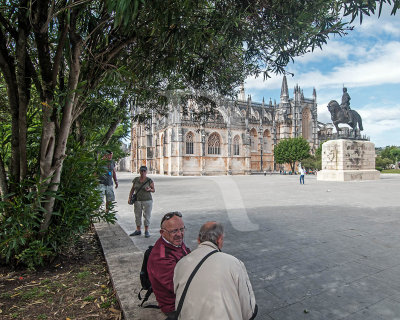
346 104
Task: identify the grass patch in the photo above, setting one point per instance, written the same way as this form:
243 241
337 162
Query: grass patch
83 275
33 293
5 295
45 281
391 171
89 298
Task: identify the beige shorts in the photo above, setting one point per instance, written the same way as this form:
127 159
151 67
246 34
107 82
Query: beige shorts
107 191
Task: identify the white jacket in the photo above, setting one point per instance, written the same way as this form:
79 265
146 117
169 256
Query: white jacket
220 290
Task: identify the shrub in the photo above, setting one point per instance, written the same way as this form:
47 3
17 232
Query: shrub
20 215
77 206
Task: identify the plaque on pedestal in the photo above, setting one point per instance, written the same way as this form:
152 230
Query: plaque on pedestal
348 160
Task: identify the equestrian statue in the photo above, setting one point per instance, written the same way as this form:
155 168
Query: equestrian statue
343 114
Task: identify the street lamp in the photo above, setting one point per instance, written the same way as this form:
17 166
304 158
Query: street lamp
261 147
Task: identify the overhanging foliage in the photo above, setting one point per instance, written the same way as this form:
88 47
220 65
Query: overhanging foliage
58 58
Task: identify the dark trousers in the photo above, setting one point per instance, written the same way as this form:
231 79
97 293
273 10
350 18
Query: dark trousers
302 178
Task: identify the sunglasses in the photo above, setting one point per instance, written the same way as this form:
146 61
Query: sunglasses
169 215
175 231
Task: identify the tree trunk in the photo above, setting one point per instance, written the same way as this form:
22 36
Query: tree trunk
3 179
23 95
81 136
66 122
115 123
111 130
8 70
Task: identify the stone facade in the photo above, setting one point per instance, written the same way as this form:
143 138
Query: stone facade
239 139
348 160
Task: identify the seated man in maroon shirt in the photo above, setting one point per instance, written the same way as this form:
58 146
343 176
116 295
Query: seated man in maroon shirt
167 251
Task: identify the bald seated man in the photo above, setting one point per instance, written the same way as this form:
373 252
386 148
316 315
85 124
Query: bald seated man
221 288
167 251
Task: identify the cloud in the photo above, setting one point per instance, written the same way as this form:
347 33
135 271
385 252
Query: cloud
367 56
334 49
258 83
375 66
323 113
386 24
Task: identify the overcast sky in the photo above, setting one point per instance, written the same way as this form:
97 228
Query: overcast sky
366 61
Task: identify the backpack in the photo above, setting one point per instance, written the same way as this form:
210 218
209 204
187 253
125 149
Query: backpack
145 281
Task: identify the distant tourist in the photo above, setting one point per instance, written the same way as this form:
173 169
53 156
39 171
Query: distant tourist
167 251
106 180
221 288
302 173
143 205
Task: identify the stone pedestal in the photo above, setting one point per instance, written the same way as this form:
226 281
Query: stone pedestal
348 160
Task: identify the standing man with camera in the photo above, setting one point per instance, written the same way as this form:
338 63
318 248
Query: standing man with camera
106 180
143 204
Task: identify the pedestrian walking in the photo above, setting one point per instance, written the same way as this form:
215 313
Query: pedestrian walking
302 173
143 205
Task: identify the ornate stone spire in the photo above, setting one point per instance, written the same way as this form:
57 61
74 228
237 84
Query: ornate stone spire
284 91
314 94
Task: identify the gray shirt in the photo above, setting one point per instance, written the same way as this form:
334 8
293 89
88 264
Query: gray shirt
107 179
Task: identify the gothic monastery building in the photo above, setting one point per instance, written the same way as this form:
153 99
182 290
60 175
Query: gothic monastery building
240 139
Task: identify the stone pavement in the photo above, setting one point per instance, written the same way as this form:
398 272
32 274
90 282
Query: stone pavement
323 250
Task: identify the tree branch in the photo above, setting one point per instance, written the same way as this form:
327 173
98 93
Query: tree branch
43 49
8 70
3 179
33 74
23 86
8 27
59 52
49 17
113 51
110 131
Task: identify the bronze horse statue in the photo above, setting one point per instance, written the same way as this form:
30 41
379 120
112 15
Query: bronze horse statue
338 115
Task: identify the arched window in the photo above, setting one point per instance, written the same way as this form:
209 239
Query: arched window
162 146
267 141
214 144
307 124
189 143
253 140
236 141
165 142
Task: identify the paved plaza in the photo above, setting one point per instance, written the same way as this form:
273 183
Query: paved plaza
323 250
